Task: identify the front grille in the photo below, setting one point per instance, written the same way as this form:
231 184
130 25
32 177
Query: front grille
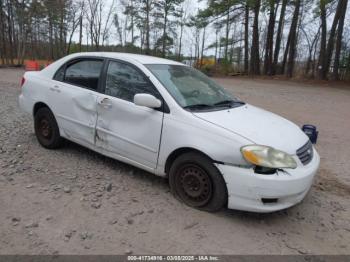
306 153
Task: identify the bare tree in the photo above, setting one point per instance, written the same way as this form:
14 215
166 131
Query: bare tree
293 39
339 40
182 23
279 37
269 37
75 19
246 37
312 43
255 57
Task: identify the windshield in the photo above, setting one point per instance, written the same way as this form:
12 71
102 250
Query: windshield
192 89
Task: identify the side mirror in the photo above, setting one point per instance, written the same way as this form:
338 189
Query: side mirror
147 100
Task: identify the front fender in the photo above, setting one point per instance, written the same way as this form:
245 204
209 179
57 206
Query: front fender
214 141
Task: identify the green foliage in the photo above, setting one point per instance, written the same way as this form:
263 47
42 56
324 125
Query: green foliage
209 70
169 42
165 13
219 7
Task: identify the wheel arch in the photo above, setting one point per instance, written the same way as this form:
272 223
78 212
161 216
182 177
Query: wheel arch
179 151
39 105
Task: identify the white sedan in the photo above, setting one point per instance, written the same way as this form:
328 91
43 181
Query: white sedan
171 120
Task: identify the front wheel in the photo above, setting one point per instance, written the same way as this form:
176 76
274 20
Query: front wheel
197 182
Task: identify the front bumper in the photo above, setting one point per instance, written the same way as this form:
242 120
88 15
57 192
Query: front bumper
246 189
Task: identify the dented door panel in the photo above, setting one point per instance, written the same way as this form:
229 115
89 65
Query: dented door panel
76 113
128 130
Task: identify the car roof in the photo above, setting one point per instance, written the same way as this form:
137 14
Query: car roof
50 70
143 59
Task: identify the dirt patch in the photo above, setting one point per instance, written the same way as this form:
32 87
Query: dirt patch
328 182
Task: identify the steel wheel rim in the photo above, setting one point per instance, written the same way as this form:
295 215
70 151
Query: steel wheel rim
194 185
45 129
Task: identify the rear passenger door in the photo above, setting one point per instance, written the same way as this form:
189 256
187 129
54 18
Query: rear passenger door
124 130
74 94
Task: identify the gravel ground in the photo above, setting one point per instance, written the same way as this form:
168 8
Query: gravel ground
75 201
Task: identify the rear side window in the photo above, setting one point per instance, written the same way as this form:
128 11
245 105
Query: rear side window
59 76
85 73
124 81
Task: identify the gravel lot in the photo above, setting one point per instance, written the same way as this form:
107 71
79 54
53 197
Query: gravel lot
75 201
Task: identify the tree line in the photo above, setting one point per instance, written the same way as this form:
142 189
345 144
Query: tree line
256 37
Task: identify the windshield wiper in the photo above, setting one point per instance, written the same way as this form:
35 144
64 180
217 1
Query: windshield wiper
198 106
224 103
229 103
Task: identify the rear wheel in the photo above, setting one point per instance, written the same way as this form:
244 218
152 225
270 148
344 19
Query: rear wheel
46 129
197 182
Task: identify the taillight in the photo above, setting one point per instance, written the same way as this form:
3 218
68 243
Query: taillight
22 81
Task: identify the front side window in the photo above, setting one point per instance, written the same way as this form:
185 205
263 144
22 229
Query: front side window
84 73
192 89
124 81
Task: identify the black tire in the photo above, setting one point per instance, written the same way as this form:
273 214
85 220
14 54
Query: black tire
195 180
46 129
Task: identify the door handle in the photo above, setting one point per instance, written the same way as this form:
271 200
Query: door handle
105 102
55 88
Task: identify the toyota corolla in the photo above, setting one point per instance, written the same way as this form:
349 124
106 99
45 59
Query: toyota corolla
171 120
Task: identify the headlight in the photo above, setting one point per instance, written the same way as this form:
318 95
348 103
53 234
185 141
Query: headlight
267 157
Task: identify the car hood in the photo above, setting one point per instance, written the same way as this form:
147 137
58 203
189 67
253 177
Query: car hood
259 126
